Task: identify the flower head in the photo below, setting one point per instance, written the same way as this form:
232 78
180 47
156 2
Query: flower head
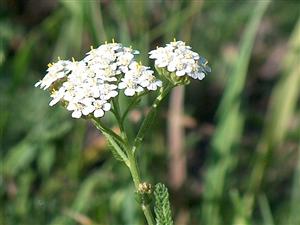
138 78
86 87
55 72
178 60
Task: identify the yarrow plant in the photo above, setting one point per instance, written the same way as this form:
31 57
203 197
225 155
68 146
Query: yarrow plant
90 88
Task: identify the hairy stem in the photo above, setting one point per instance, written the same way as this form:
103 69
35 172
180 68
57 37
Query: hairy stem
150 117
114 139
117 113
133 167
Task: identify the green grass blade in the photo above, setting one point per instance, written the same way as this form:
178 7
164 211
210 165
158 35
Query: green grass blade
265 210
93 15
282 106
230 125
294 216
70 37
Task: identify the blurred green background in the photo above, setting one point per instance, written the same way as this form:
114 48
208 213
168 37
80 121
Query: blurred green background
228 147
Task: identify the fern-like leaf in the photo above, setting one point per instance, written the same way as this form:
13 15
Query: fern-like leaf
114 152
162 209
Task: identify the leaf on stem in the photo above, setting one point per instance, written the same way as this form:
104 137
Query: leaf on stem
114 142
162 209
114 152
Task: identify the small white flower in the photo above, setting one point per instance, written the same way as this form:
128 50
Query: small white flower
130 85
107 91
177 44
163 56
197 75
100 107
104 53
106 74
79 72
76 108
124 60
151 83
88 106
130 50
137 78
147 80
57 95
196 72
178 58
55 72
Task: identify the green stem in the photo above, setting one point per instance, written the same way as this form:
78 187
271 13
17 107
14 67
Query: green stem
117 113
150 117
121 143
130 160
137 180
137 142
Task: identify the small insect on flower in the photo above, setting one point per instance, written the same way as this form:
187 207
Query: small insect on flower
203 63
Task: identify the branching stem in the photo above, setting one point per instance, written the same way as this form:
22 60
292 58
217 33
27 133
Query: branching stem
150 117
121 143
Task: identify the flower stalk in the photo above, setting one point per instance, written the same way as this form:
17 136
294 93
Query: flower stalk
150 116
134 171
122 146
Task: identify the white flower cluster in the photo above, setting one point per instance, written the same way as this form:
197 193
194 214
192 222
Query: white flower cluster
55 72
178 58
137 78
88 86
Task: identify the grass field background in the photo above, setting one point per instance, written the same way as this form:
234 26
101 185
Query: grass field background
228 147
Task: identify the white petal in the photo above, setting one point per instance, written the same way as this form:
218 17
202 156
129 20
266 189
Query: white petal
113 93
106 106
172 67
122 85
201 76
163 64
139 89
71 107
144 83
159 83
113 86
76 114
133 65
104 97
188 69
37 83
54 101
129 92
180 73
98 113
87 110
152 87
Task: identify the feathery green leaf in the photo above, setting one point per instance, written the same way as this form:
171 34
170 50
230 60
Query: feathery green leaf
162 207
